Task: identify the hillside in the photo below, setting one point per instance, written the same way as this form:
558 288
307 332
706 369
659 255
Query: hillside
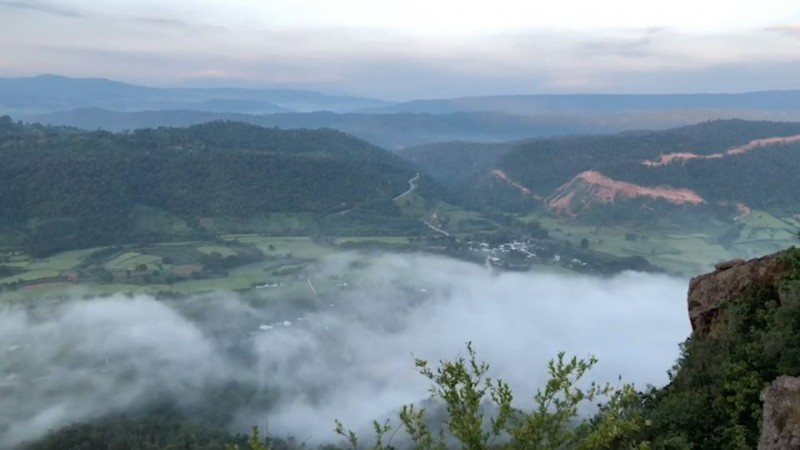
721 162
683 198
724 161
65 189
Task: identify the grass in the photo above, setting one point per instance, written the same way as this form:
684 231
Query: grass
288 254
130 260
383 239
268 224
760 227
297 246
60 261
30 276
674 248
209 249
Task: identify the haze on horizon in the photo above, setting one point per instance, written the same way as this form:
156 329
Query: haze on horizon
413 48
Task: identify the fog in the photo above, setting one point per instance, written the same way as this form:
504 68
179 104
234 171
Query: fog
347 355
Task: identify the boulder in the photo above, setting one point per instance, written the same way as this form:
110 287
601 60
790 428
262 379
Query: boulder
780 429
709 292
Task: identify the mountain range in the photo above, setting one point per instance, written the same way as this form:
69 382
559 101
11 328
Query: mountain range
49 93
104 104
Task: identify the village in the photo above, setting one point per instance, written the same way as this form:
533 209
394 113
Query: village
523 255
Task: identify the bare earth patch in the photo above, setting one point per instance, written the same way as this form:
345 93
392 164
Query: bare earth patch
501 175
670 158
600 189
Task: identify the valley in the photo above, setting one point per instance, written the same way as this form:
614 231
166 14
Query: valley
588 222
399 225
288 250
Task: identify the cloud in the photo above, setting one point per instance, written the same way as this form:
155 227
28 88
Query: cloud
160 21
628 48
789 30
38 6
349 355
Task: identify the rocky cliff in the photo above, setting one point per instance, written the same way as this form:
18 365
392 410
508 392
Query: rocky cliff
709 292
781 424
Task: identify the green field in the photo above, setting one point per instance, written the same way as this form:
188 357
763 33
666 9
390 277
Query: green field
281 265
131 260
31 275
677 249
284 265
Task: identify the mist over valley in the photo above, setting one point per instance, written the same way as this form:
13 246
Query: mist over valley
240 359
399 225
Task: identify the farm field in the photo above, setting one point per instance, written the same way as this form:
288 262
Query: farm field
674 248
274 263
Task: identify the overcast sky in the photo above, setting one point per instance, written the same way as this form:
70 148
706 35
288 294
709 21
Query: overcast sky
400 49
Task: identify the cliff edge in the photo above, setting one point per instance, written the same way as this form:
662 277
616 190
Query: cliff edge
709 292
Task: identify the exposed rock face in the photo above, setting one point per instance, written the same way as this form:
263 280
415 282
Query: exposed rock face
725 265
707 293
780 429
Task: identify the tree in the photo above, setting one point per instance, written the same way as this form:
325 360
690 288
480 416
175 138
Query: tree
466 390
254 442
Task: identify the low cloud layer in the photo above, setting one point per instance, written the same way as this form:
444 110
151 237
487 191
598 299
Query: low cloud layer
347 356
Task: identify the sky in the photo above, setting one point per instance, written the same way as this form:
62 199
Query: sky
404 49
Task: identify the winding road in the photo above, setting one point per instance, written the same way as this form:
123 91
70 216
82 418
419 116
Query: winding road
412 185
435 228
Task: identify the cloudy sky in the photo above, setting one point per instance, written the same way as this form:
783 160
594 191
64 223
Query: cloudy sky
401 49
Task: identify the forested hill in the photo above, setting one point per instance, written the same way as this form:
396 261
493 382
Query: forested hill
723 162
702 158
82 187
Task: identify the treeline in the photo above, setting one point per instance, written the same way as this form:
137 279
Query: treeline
68 189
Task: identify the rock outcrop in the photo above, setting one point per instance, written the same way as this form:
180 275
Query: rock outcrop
709 292
780 429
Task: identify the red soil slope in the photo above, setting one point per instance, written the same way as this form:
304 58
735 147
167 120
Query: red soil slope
595 188
671 158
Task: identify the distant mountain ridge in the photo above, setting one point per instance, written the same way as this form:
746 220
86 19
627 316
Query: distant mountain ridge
398 131
50 93
96 103
779 101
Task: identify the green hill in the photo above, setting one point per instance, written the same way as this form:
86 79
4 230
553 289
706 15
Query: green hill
64 189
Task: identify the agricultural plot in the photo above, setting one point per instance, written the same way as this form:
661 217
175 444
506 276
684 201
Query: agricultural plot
683 249
131 261
178 268
30 276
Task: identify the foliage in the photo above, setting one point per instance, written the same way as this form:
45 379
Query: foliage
467 392
254 442
762 179
148 433
68 189
713 399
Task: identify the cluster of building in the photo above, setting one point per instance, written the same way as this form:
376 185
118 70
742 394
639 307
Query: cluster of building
522 255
